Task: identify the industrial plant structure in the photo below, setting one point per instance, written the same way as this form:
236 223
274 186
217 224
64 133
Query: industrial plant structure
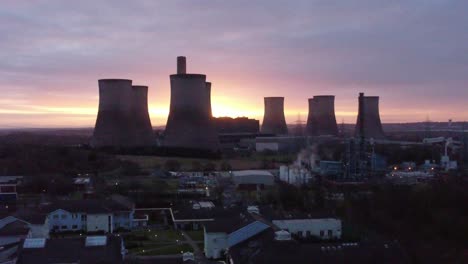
368 122
321 119
123 119
238 125
190 125
274 121
208 98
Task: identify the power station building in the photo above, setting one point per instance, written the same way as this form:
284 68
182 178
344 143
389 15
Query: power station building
123 119
238 125
368 122
321 120
190 125
274 121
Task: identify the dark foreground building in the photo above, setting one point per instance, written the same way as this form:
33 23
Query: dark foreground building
278 248
228 125
91 250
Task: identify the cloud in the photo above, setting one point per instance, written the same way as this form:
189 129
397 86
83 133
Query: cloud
412 53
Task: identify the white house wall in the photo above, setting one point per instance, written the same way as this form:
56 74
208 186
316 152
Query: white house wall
99 222
316 227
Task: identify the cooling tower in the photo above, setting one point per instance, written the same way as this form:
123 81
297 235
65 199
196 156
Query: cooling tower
321 119
368 122
113 124
273 118
189 124
143 131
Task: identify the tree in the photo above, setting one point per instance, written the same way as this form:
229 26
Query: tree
172 165
196 165
225 166
130 168
210 166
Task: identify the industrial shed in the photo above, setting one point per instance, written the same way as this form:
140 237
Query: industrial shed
253 177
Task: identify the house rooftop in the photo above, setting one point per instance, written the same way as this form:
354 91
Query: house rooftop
229 224
88 206
15 228
263 249
71 250
10 179
34 217
251 172
273 214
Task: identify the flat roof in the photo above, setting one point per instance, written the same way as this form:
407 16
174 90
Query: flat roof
251 172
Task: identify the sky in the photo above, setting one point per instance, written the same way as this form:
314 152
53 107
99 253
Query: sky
413 54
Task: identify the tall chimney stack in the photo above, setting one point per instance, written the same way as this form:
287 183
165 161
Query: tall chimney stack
181 65
208 90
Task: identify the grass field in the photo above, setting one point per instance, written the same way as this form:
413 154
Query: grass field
196 235
156 242
154 235
168 250
150 162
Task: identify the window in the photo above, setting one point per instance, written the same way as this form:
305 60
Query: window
64 216
56 216
55 227
74 227
330 233
7 189
64 227
74 216
83 217
322 233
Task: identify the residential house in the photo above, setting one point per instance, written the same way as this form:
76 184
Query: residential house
91 249
322 228
89 215
279 247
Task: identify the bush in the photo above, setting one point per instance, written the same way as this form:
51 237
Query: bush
172 165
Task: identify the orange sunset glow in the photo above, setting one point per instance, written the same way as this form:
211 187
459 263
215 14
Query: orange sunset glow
49 72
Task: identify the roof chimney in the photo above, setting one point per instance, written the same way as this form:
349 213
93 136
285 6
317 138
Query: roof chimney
181 65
